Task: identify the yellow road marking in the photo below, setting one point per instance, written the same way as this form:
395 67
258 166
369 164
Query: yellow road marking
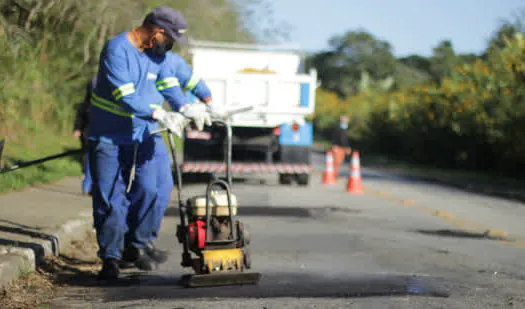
460 223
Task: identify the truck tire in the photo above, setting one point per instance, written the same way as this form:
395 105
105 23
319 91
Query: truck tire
196 177
302 179
294 155
285 179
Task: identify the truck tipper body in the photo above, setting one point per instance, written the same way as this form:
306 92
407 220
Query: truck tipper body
275 136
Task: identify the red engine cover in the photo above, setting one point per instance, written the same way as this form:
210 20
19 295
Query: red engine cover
197 234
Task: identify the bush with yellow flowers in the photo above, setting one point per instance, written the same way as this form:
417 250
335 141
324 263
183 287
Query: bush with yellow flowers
474 119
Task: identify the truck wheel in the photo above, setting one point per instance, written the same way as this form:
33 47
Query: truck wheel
285 179
302 179
197 177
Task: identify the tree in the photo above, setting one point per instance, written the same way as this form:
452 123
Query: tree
443 61
50 48
354 56
258 16
407 76
506 31
468 58
417 62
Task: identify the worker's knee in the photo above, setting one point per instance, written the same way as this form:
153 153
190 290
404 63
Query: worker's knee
149 190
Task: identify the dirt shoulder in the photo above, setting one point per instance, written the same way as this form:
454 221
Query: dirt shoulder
36 289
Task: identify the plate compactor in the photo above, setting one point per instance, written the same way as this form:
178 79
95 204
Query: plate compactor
215 242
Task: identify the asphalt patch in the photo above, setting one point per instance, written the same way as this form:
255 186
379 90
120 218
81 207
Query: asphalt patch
460 234
151 286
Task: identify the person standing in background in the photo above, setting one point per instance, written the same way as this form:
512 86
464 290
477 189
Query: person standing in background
80 132
340 144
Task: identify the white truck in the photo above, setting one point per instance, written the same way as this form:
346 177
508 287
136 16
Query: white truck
274 137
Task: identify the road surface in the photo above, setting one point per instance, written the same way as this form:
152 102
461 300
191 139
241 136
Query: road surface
403 244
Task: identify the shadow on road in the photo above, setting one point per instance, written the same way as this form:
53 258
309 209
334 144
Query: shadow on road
288 211
459 234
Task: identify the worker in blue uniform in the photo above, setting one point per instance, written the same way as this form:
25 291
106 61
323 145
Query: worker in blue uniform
129 164
188 81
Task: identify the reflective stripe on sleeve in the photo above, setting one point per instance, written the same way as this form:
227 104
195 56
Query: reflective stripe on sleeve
192 83
168 82
123 90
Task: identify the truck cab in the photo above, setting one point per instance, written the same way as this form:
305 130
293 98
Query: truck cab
274 137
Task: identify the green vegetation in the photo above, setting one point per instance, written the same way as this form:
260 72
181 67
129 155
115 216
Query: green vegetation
447 110
33 145
50 50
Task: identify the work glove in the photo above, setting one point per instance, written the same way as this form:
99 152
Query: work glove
217 111
198 113
175 122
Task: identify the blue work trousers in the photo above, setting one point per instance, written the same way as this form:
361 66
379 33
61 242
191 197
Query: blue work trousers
132 218
87 181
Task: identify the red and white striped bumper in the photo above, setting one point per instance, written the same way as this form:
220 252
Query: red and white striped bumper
246 168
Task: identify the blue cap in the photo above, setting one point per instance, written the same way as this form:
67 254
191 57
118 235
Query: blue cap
172 21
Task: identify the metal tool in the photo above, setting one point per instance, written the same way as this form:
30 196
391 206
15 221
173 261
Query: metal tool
21 164
214 241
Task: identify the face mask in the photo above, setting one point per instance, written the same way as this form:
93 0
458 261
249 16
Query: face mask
344 126
160 49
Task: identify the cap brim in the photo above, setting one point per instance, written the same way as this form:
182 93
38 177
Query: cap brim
181 39
177 37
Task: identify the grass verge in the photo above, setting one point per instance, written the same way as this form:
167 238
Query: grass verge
35 145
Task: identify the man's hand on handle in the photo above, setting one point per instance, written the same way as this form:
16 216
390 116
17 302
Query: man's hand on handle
198 113
175 122
216 111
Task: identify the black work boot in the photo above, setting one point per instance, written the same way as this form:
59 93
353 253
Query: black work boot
126 264
135 257
144 262
159 256
129 255
109 271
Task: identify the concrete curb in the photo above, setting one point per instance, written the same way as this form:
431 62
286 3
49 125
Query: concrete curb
16 262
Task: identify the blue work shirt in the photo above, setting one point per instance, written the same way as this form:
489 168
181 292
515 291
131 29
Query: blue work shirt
130 85
178 67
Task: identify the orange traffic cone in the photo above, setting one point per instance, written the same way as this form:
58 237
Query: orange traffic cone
354 181
329 173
